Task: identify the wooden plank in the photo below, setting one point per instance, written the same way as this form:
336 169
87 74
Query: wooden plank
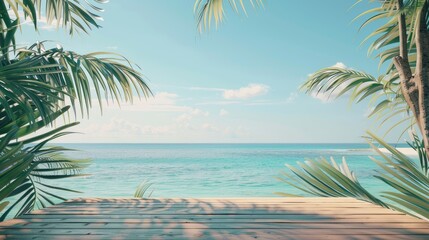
226 205
192 211
200 216
229 236
193 232
231 225
203 208
226 219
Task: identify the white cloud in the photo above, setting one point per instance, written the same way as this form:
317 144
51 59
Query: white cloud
292 97
218 103
199 112
223 112
209 127
155 130
340 65
252 90
160 102
224 130
120 127
207 89
326 97
186 118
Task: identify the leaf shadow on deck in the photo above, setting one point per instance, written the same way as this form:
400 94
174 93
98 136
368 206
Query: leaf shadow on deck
268 218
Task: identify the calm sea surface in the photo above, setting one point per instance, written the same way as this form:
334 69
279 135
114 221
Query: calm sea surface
205 170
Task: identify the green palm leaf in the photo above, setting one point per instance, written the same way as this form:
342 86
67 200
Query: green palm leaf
327 179
26 163
111 75
208 11
21 88
409 181
142 190
383 93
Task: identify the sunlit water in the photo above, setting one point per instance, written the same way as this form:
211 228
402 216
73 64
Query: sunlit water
206 170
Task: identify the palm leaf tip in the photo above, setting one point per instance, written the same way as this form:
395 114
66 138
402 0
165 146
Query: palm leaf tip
142 190
209 11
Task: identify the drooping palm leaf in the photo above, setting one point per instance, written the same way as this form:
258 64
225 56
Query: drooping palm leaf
74 15
142 190
110 75
327 179
13 166
20 87
386 37
409 182
38 190
208 11
383 93
27 165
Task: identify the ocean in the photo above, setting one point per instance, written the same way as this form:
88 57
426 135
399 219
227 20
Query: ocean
206 170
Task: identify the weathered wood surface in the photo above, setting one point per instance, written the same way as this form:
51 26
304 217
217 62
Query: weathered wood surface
232 218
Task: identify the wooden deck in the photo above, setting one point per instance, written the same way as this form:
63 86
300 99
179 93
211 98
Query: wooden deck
261 218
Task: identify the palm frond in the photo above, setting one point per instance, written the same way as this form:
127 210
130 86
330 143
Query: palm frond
111 75
327 179
208 11
341 81
20 88
419 147
409 182
75 15
386 37
142 190
27 164
383 93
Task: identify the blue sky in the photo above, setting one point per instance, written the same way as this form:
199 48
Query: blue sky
237 83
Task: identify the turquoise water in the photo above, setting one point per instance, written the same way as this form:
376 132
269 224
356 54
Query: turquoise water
205 170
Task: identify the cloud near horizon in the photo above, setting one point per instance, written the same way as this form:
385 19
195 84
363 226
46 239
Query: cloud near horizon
223 112
160 102
250 91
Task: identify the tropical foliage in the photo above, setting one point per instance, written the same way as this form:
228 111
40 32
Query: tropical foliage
383 93
327 179
37 83
29 165
408 182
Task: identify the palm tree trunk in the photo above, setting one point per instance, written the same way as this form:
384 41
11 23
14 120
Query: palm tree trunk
422 73
415 87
